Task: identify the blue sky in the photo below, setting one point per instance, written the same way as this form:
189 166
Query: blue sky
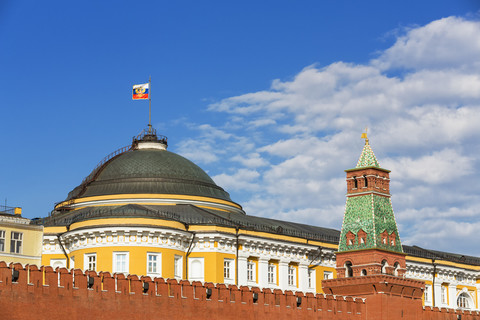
269 97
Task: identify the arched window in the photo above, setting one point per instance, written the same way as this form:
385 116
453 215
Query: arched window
366 181
384 266
355 182
397 266
348 269
364 272
350 238
463 301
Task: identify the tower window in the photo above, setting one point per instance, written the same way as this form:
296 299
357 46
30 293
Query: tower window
355 182
384 266
350 238
391 238
366 181
362 236
396 266
348 269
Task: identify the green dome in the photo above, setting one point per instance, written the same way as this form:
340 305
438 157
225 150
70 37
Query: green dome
149 171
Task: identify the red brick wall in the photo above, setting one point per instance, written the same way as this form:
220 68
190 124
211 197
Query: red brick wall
42 293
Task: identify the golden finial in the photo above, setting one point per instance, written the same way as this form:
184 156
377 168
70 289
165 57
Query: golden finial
364 136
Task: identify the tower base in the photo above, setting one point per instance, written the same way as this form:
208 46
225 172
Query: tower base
387 297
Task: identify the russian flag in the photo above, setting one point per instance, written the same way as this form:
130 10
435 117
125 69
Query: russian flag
141 91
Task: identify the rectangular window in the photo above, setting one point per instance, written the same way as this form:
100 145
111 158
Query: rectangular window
120 262
272 273
178 267
292 276
327 275
228 273
444 295
16 242
311 278
2 240
427 294
90 261
153 264
251 270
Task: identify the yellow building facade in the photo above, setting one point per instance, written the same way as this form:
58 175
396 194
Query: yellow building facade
20 241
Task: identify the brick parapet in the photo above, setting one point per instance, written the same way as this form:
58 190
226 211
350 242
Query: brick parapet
43 292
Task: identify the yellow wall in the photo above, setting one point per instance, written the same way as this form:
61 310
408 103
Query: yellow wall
319 276
213 265
32 238
137 259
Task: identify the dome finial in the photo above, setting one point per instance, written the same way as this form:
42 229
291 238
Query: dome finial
364 136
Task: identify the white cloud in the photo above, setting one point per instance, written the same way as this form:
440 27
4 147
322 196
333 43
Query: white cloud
444 43
420 99
437 168
242 179
252 160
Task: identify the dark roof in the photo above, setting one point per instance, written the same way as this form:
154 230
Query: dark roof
417 251
149 171
193 215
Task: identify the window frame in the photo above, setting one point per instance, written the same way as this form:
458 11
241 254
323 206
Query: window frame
444 294
311 278
115 261
463 301
157 263
292 275
16 243
228 270
327 275
426 294
2 240
178 267
272 274
87 263
251 271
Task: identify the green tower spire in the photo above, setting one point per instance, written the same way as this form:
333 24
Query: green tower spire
369 221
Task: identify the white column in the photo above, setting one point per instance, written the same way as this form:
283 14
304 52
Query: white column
282 275
452 296
262 273
303 277
438 294
242 271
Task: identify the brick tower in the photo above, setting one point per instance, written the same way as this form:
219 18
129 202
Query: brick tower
370 258
369 241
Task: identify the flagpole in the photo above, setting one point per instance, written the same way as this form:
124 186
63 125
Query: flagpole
150 104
